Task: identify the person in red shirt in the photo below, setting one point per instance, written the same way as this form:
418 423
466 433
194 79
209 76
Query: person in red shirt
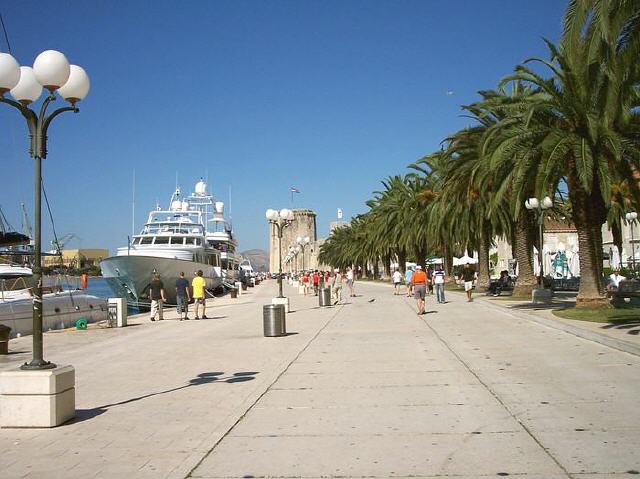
305 282
316 282
419 283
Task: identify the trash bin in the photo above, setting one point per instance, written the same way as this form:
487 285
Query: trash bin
273 317
324 296
244 286
234 292
5 332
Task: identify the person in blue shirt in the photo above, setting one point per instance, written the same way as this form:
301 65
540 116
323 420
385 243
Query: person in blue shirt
407 279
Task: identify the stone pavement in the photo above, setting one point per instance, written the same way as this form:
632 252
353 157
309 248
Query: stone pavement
364 389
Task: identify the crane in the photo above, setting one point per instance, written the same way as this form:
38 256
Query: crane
59 243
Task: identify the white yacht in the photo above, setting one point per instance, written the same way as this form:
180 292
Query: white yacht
172 241
220 236
63 304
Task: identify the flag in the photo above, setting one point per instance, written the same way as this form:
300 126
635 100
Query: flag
293 189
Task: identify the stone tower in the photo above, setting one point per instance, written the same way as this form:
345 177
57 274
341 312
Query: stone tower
304 224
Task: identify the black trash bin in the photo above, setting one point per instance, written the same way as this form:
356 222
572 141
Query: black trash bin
234 292
273 318
324 296
5 332
244 286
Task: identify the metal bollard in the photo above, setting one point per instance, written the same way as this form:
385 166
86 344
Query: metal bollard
273 318
324 296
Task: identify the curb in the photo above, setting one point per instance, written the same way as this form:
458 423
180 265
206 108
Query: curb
599 338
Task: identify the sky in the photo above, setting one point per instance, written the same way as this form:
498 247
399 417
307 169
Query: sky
326 96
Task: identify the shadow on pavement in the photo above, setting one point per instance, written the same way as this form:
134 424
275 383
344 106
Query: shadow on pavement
202 378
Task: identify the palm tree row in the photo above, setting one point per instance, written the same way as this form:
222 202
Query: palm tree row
571 132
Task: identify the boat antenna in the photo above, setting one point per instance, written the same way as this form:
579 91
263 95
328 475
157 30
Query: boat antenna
133 205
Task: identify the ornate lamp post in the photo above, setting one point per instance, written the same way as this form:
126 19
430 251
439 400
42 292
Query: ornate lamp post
52 71
280 220
631 218
303 243
539 206
297 252
293 253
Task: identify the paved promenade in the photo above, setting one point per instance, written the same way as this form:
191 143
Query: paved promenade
365 389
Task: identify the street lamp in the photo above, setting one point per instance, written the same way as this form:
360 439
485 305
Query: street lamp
297 252
280 220
293 253
539 206
302 243
631 218
52 71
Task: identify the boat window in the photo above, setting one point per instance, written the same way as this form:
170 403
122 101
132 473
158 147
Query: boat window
177 240
162 240
146 240
197 241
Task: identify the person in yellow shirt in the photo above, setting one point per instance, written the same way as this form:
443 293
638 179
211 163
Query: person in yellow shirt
198 284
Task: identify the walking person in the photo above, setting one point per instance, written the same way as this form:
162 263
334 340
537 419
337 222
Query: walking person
305 282
419 283
438 283
156 295
182 297
316 282
429 280
407 277
337 286
350 281
198 285
468 275
397 281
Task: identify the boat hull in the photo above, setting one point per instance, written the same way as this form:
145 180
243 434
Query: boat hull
61 310
129 276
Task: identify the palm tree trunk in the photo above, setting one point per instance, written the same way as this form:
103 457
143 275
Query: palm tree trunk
402 260
523 240
387 265
422 257
448 266
376 268
484 277
589 214
616 232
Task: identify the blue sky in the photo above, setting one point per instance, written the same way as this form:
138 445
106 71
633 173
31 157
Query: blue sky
327 96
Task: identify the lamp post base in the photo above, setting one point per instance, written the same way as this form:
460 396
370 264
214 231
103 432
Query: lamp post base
284 301
37 398
37 365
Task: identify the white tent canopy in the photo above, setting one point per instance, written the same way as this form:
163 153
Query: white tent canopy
464 260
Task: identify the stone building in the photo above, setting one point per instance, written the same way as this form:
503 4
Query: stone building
304 224
77 258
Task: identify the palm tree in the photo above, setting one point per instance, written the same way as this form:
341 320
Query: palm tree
586 115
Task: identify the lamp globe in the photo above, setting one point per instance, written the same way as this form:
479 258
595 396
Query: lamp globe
269 214
28 89
9 73
52 69
77 86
